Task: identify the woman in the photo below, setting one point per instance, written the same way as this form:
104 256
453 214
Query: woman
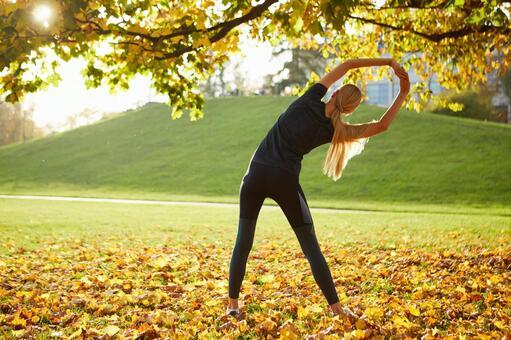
275 166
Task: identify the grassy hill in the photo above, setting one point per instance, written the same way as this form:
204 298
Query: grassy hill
423 162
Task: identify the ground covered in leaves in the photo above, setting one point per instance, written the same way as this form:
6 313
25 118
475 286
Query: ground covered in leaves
75 289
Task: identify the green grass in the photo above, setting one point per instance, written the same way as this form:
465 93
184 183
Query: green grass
424 162
28 223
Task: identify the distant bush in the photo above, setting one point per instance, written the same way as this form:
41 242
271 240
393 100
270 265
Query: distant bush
476 105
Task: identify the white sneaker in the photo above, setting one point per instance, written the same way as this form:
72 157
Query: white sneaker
233 311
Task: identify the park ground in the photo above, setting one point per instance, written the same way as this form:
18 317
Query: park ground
75 269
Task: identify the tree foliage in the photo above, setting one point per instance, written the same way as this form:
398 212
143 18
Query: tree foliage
472 103
178 43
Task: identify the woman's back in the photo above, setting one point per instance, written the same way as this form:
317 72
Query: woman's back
298 130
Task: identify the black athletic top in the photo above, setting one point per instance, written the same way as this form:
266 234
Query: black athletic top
298 130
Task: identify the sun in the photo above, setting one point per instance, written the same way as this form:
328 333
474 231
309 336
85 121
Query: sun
43 13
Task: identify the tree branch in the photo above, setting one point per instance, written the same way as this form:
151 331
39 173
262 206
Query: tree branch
436 37
413 4
226 27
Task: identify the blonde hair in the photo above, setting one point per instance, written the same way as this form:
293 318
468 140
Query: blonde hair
343 146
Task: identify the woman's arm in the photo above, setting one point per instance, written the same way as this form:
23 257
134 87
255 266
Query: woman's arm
344 67
356 131
404 88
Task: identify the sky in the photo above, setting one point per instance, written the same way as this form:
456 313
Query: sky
53 105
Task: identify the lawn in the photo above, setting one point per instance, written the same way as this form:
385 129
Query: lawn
424 162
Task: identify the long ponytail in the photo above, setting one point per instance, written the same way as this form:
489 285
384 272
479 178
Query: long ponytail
343 147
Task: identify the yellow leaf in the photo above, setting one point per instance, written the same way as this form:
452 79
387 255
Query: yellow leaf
138 29
111 330
314 76
201 24
80 16
401 322
76 334
160 262
343 298
360 324
267 278
315 308
414 311
18 333
243 326
213 302
17 321
417 295
288 331
86 281
495 279
189 287
374 313
302 312
359 334
202 41
499 324
268 325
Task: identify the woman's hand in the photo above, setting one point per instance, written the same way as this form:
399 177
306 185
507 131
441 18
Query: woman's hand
349 64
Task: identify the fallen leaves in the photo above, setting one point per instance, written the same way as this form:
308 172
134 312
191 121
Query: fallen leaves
109 291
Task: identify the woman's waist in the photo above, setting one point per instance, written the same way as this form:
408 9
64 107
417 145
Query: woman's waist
291 167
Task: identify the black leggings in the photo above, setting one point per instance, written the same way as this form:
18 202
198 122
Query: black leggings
261 181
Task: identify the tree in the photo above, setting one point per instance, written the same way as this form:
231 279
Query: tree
16 124
506 83
178 43
302 64
215 83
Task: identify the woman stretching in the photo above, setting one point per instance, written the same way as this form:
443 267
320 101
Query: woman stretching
274 168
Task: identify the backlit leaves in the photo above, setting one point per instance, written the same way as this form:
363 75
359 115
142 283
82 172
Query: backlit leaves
178 43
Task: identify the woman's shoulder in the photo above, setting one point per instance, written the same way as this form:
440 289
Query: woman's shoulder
316 91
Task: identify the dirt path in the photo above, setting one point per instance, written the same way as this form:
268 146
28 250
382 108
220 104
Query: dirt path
187 203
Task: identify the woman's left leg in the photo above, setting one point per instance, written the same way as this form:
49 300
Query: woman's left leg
251 201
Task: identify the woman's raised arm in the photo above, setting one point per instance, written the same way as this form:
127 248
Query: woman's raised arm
344 67
356 131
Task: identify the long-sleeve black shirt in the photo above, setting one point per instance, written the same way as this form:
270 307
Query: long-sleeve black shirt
298 130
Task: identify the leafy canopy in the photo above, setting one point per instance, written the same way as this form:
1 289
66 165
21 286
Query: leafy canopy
179 43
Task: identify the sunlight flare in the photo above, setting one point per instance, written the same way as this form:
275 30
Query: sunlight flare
43 13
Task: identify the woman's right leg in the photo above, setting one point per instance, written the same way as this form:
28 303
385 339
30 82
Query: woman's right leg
290 197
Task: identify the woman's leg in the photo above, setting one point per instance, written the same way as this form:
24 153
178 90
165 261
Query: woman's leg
294 205
310 247
250 205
